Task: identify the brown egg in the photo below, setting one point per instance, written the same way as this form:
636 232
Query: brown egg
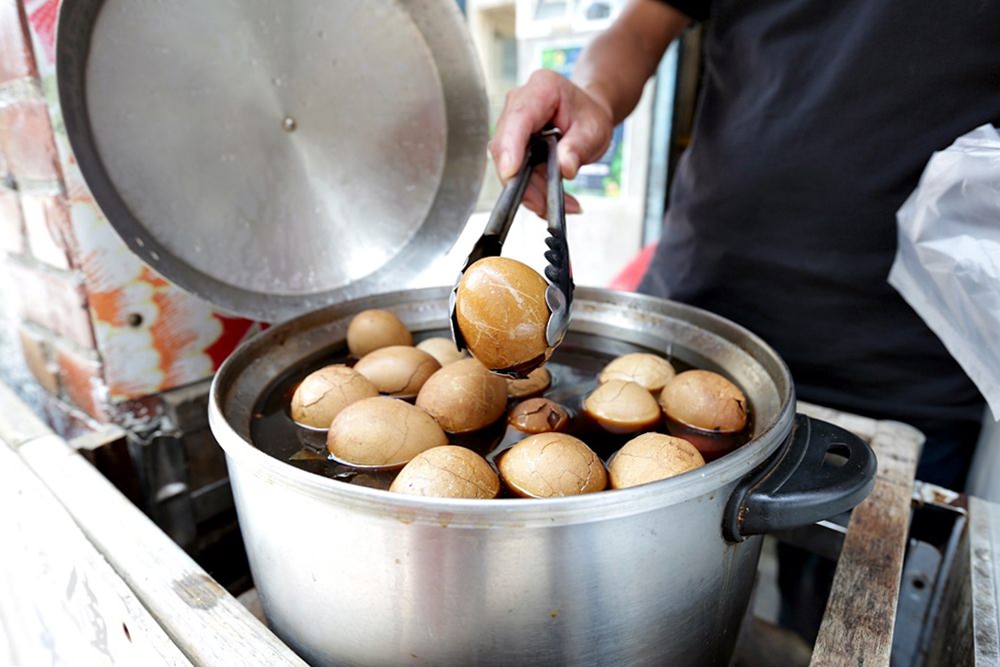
442 349
398 370
382 432
372 329
538 415
537 382
647 370
447 472
501 312
552 464
622 407
652 456
464 396
324 393
705 400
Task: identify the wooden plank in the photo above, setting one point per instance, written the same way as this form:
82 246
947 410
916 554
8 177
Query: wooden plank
201 617
60 601
863 427
18 424
984 555
858 624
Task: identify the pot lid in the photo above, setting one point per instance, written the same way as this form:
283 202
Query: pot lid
276 157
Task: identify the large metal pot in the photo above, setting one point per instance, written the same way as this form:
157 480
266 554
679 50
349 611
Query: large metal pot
653 575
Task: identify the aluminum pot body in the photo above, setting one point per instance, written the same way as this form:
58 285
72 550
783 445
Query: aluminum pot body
355 576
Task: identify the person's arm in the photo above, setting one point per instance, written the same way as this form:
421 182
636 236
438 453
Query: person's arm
607 83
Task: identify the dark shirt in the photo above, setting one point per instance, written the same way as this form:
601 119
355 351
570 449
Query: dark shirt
815 121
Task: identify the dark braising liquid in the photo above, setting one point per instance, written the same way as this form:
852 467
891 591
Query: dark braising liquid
574 368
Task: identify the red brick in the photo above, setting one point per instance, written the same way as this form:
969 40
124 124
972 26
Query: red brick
82 382
16 59
55 300
11 225
47 228
26 139
36 358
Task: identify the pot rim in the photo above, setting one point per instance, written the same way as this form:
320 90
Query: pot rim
242 456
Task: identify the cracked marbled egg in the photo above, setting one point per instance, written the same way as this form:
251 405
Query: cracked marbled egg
704 400
371 329
397 370
622 407
382 432
447 472
549 465
501 311
324 393
651 457
463 396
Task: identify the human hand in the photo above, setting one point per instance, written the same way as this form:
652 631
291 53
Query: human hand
583 117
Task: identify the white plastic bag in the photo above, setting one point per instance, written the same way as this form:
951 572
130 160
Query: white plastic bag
947 264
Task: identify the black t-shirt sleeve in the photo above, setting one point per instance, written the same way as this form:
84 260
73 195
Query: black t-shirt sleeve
698 10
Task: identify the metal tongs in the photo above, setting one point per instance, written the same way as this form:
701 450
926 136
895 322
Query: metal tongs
558 274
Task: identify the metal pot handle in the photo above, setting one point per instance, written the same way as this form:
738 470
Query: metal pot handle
798 485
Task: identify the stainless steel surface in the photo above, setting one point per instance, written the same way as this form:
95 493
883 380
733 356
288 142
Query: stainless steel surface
642 576
275 158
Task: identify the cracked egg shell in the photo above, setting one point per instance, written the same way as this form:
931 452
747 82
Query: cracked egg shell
648 370
442 349
537 382
398 370
324 393
538 415
622 407
501 312
371 329
651 457
705 400
447 472
464 396
549 465
382 432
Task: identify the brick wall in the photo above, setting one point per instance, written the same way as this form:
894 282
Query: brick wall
37 266
100 331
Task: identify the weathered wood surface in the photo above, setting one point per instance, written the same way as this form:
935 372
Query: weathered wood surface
858 624
984 561
206 623
60 601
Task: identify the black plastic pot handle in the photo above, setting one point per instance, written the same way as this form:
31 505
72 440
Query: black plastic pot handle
800 485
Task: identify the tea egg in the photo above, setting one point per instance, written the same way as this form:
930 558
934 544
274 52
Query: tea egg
704 400
442 349
372 329
552 464
397 370
650 457
622 407
324 393
648 370
447 472
537 382
382 432
538 415
463 396
501 312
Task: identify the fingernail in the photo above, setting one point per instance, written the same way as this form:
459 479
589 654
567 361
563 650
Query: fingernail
505 165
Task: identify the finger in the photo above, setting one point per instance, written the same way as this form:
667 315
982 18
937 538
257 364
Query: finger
534 200
573 205
587 136
526 110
